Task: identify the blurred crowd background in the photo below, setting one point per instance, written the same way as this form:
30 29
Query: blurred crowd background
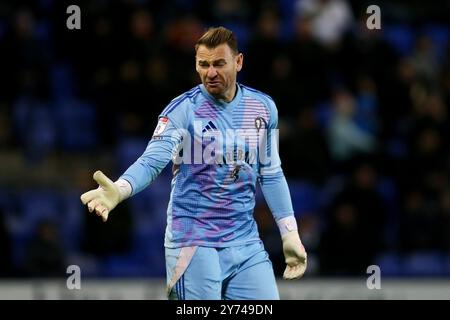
363 117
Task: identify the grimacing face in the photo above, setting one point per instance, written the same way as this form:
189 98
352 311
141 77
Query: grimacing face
217 68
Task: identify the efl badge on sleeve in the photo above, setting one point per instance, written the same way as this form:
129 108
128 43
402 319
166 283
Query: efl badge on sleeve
162 124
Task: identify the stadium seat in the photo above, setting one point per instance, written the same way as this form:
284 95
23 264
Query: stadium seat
387 190
447 264
242 33
33 208
440 37
287 20
124 267
424 264
71 227
305 197
323 113
77 125
42 32
390 264
128 150
39 205
146 258
62 83
35 126
400 37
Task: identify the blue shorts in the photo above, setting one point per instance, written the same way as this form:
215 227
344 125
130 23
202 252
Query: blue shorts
233 273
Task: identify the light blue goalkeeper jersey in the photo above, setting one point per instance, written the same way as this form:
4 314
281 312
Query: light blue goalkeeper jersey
219 150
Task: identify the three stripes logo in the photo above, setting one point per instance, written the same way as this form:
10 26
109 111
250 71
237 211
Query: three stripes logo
209 127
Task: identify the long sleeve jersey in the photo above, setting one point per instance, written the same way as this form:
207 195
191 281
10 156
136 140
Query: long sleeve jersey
219 151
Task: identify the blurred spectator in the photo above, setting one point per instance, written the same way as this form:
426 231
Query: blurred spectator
424 60
329 19
35 127
356 225
260 50
345 138
25 59
342 251
44 255
5 246
427 138
419 224
226 11
305 152
310 66
180 37
112 238
366 114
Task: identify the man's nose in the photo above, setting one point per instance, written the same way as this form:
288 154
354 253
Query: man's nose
212 72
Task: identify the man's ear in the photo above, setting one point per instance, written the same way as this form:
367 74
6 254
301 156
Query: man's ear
239 61
196 64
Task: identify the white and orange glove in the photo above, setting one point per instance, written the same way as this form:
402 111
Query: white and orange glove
107 196
294 252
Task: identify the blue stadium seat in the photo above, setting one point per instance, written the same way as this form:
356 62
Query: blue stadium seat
305 197
323 113
241 31
33 207
91 266
440 36
288 14
124 267
71 227
396 147
38 205
62 83
77 125
35 125
42 31
7 201
447 264
390 264
424 264
146 259
401 37
128 150
388 192
142 202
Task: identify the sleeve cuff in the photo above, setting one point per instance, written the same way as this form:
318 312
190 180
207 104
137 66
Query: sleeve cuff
125 188
287 224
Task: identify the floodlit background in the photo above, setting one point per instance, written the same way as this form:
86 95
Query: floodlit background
364 130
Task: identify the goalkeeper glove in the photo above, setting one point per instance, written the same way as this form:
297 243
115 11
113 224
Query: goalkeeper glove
107 196
295 256
293 249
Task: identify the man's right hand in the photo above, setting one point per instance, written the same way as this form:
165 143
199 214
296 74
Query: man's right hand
103 199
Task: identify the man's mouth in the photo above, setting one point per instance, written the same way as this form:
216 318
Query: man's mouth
213 83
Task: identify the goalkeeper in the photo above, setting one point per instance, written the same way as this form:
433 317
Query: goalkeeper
212 246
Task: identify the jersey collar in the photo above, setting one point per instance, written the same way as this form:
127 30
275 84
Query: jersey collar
222 103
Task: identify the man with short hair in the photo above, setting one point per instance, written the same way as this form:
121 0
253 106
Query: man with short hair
221 136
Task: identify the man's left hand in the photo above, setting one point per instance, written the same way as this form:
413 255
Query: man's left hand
295 255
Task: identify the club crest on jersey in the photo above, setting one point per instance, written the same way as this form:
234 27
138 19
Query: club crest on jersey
162 124
258 123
